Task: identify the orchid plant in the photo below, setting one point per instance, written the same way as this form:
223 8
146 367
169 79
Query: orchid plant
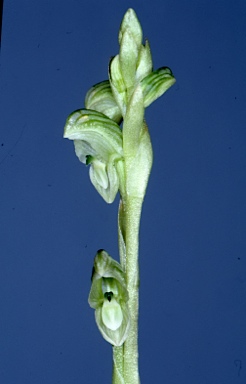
111 136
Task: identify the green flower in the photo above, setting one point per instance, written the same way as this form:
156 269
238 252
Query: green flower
98 143
108 296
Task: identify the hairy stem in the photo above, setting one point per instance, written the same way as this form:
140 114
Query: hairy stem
118 367
132 210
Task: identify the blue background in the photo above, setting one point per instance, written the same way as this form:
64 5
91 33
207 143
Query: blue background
193 230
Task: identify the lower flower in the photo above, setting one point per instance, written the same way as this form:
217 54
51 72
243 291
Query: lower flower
108 296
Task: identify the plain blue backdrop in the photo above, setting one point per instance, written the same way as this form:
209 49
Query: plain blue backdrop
193 230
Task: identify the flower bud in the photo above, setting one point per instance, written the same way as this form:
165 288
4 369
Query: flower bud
117 84
130 40
145 65
129 51
130 23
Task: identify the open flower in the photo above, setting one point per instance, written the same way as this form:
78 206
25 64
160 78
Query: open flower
108 296
98 143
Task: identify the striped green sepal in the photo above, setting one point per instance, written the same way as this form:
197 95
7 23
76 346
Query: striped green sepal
100 98
156 83
96 129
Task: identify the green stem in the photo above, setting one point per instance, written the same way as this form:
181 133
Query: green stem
118 368
132 210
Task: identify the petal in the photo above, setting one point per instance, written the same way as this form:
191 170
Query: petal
112 315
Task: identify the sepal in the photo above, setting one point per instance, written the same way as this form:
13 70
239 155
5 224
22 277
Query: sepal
100 98
145 65
129 51
117 84
109 296
156 83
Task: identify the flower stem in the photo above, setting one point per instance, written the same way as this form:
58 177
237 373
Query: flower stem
118 361
132 207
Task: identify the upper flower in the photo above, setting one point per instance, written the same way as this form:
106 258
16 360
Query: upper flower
98 142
